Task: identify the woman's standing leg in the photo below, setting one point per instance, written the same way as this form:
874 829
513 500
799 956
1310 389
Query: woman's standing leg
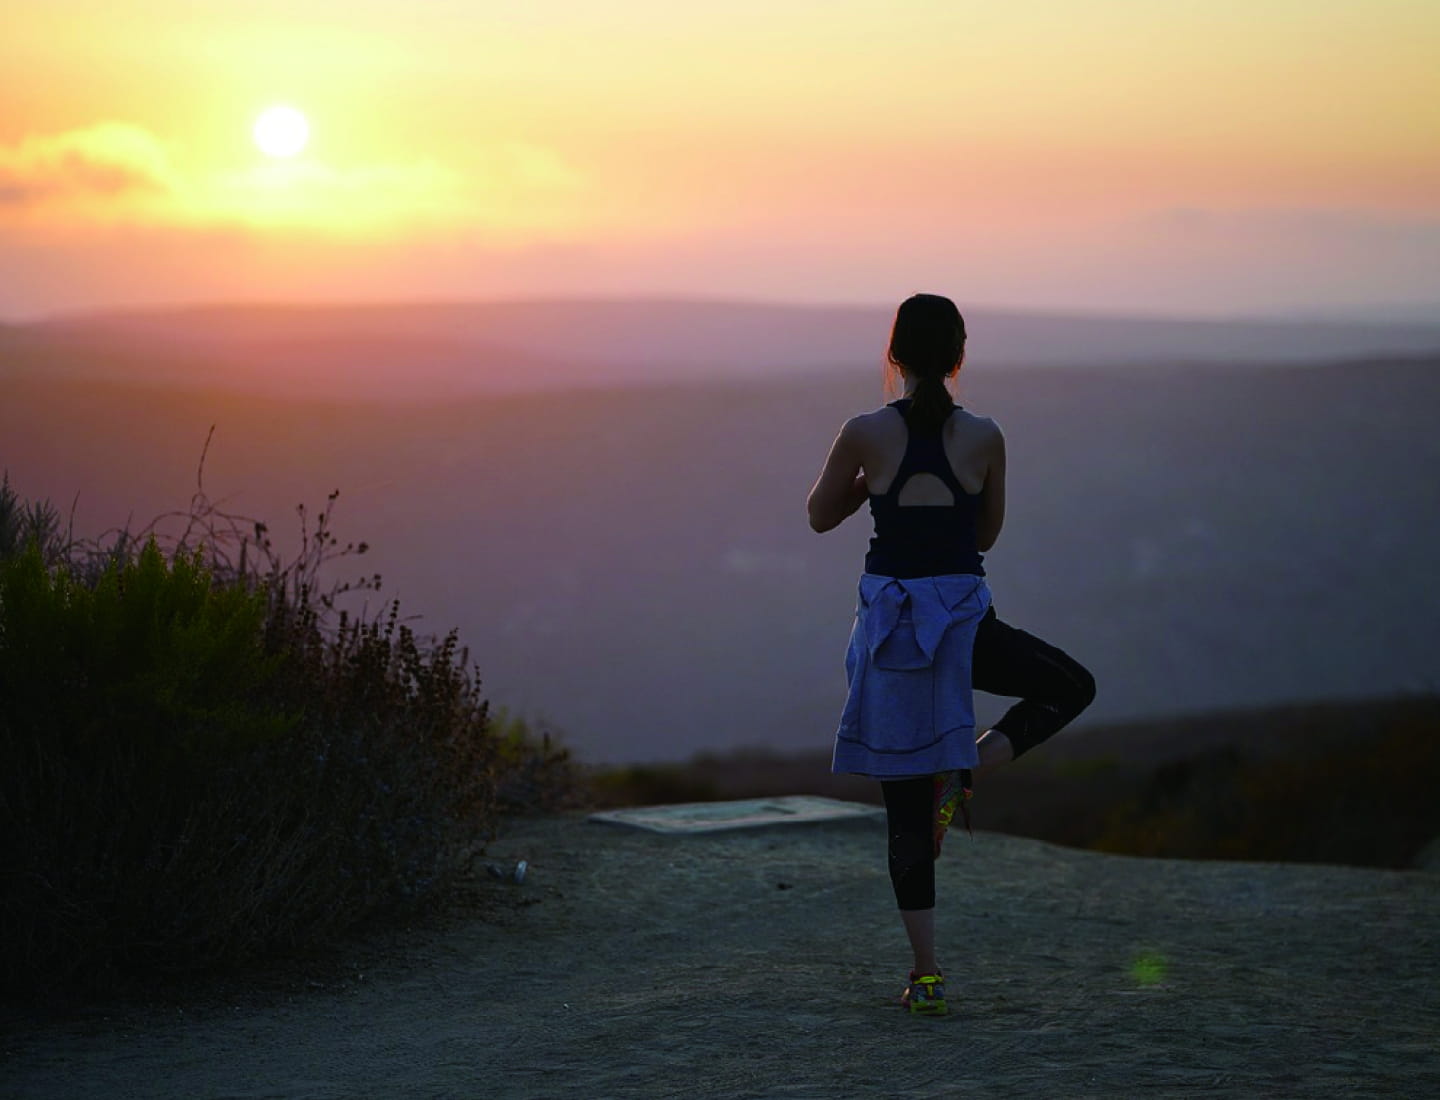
909 810
1051 685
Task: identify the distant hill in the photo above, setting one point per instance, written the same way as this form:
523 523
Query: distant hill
634 562
419 352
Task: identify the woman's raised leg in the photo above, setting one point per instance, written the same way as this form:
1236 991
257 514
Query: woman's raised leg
1051 685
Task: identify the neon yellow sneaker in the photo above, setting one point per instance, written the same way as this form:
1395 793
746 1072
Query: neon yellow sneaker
925 995
952 794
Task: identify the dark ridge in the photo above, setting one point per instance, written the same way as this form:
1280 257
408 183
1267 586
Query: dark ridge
1340 782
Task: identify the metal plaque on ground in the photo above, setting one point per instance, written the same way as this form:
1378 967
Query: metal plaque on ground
747 813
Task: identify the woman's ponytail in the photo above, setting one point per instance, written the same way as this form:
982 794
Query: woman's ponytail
930 405
926 343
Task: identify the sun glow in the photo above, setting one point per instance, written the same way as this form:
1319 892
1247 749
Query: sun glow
281 131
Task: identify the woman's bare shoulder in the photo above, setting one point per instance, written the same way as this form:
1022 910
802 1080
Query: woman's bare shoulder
877 420
978 423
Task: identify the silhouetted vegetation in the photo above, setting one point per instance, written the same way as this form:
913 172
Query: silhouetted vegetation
201 766
654 784
1366 799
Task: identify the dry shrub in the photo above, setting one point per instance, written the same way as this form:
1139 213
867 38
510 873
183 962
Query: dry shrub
199 769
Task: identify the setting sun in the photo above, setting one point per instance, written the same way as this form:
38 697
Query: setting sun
281 131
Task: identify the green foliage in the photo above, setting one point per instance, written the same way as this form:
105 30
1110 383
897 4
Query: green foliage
537 773
122 704
21 524
197 770
651 785
156 655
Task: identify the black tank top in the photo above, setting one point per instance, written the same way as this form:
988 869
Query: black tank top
923 540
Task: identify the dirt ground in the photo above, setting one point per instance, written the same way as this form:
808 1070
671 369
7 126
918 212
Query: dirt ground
766 964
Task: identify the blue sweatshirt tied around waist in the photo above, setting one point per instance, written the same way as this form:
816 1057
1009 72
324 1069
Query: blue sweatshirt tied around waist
910 707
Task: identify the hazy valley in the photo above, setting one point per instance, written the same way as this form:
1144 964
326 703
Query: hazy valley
629 557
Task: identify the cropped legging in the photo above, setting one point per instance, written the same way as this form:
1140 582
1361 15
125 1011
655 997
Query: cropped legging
1052 688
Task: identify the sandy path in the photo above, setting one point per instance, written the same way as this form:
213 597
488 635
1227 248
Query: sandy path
660 966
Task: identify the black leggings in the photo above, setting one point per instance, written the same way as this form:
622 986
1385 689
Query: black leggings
1053 688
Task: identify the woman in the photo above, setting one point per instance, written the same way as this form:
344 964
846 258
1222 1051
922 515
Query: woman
925 632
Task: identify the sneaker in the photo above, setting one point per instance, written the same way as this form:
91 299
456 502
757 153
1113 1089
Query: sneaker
952 793
925 995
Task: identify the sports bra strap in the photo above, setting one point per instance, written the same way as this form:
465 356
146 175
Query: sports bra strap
924 455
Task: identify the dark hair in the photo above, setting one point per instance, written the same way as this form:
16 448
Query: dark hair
926 343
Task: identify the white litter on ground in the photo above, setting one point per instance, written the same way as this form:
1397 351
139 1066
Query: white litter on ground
747 813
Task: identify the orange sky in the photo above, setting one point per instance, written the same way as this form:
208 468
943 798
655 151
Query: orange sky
1115 155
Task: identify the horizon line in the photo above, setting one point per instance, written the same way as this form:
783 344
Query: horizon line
1385 315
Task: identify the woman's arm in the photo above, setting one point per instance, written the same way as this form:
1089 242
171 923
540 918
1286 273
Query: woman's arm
840 490
992 497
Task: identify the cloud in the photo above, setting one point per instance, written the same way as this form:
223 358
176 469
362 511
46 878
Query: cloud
106 160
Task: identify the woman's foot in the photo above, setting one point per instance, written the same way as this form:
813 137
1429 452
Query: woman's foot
925 995
952 795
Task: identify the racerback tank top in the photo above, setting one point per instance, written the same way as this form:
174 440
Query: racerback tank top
923 540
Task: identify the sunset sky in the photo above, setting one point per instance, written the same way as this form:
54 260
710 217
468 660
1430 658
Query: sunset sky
1117 155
